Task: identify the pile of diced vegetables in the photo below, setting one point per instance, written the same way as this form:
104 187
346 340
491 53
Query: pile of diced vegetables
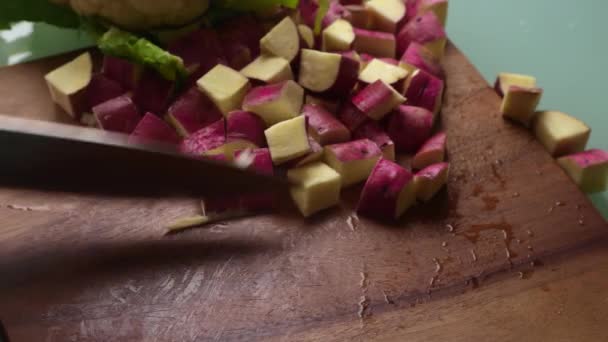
329 99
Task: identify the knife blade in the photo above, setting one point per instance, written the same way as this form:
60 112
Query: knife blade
49 156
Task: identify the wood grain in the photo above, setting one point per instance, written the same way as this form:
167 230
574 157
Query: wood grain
97 268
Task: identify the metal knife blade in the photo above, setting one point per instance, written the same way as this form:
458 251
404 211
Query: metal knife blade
50 156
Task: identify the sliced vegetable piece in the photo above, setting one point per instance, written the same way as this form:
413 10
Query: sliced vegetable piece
351 116
375 43
324 127
409 127
269 69
121 71
353 160
283 40
520 104
589 169
560 133
192 112
245 126
326 73
275 102
338 36
389 191
504 81
417 56
226 87
117 115
372 131
102 89
307 35
68 84
430 180
153 129
317 187
153 93
438 7
387 14
432 152
424 90
425 29
381 70
288 140
361 16
377 100
206 141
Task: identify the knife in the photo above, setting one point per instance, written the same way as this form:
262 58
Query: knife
49 156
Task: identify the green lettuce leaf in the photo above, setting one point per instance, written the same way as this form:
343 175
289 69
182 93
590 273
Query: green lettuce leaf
141 51
12 11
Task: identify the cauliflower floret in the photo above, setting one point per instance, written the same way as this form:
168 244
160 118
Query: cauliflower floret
141 14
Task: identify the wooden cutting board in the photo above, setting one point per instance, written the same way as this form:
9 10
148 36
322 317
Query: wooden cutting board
100 269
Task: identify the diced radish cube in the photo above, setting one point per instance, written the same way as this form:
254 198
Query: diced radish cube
387 14
316 153
307 35
269 69
361 17
121 71
283 40
417 56
379 70
68 85
102 89
288 140
589 169
504 81
432 152
425 29
376 43
377 99
430 180
351 116
317 187
324 127
353 160
117 115
245 126
560 133
437 7
372 131
338 36
409 127
206 141
336 12
275 102
226 87
389 191
153 93
424 90
192 112
520 104
153 129
326 73
331 106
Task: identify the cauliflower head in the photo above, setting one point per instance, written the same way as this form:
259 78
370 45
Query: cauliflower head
141 14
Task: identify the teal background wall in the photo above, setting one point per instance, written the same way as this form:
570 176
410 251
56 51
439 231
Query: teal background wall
561 42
